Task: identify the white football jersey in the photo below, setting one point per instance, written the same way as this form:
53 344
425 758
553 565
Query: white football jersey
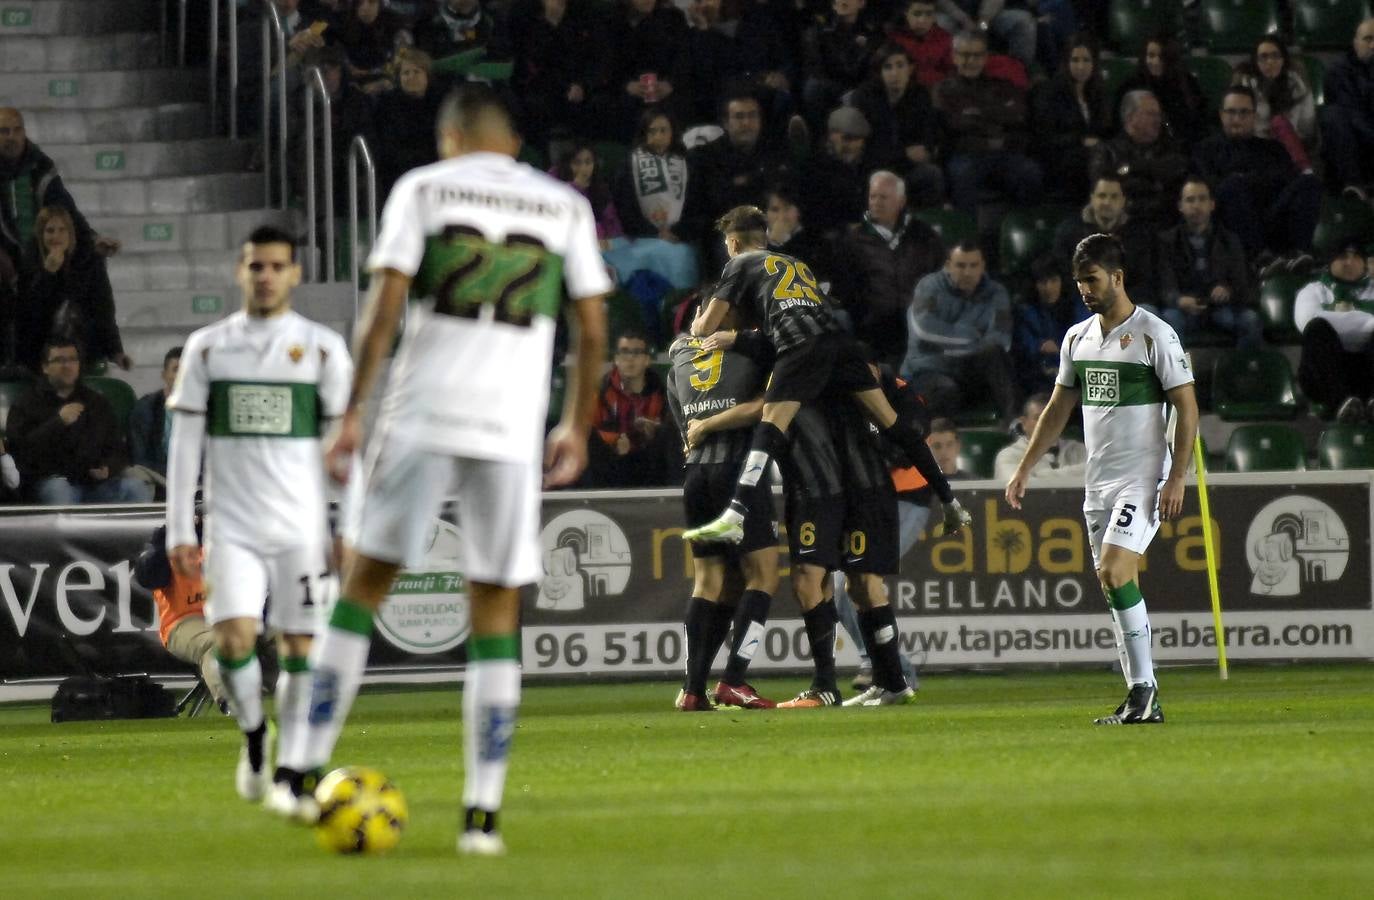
491 245
266 387
1122 378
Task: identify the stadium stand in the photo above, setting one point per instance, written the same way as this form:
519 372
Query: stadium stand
1265 448
1346 447
978 450
1327 24
1130 23
1234 26
1277 295
1253 385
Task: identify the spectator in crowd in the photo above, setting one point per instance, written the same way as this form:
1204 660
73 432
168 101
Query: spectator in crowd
1106 213
837 52
905 128
768 34
930 47
29 182
884 256
836 179
959 336
1347 114
1261 195
655 195
370 36
306 31
1070 115
787 234
985 120
181 612
1335 314
66 292
648 43
406 115
559 52
457 26
350 116
150 425
1203 277
627 445
1041 323
945 446
1284 106
1014 27
1150 163
1065 458
712 59
66 440
737 168
578 167
1161 70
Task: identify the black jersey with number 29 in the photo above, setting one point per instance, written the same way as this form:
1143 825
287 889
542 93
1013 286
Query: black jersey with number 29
781 293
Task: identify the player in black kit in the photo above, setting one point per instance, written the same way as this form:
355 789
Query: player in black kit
716 396
816 359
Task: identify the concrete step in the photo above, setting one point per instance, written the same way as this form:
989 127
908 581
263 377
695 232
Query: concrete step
79 53
44 17
189 308
185 271
159 196
114 161
221 231
163 122
101 90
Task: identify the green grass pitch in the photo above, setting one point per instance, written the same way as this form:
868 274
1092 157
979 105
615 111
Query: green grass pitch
992 786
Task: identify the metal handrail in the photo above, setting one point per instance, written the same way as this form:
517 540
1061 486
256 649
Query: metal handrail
272 26
213 61
181 35
233 26
314 86
358 150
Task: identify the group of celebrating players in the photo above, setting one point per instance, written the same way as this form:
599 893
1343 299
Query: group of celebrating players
767 374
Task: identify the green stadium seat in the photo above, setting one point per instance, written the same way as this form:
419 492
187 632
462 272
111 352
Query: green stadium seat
1131 23
120 394
623 313
951 225
1214 75
1253 384
1277 294
1342 218
1265 448
610 156
1327 24
1027 234
1315 72
1114 71
1235 26
1346 447
459 64
493 71
978 450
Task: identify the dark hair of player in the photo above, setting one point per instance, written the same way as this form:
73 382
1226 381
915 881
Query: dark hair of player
466 106
271 234
747 223
1101 250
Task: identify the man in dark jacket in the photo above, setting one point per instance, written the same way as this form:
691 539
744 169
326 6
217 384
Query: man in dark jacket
29 182
66 439
1261 196
1105 213
1151 166
985 119
884 256
1347 115
836 178
1203 277
149 425
789 234
736 168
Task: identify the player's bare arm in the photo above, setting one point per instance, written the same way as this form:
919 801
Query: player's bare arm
375 336
742 415
1184 402
565 451
709 317
1047 431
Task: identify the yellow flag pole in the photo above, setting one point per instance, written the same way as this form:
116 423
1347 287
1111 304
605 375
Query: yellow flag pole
1201 463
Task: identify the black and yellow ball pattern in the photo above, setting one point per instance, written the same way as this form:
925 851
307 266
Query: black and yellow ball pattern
361 811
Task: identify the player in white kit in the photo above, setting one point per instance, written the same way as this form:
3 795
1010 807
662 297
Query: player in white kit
253 395
490 245
1125 364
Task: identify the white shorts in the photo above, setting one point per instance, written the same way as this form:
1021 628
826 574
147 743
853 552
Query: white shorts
1126 515
295 585
497 512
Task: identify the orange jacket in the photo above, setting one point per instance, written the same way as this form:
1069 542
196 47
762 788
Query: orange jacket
179 599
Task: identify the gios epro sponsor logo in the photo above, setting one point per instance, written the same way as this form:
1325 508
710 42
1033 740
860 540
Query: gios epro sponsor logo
427 610
1293 544
585 556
